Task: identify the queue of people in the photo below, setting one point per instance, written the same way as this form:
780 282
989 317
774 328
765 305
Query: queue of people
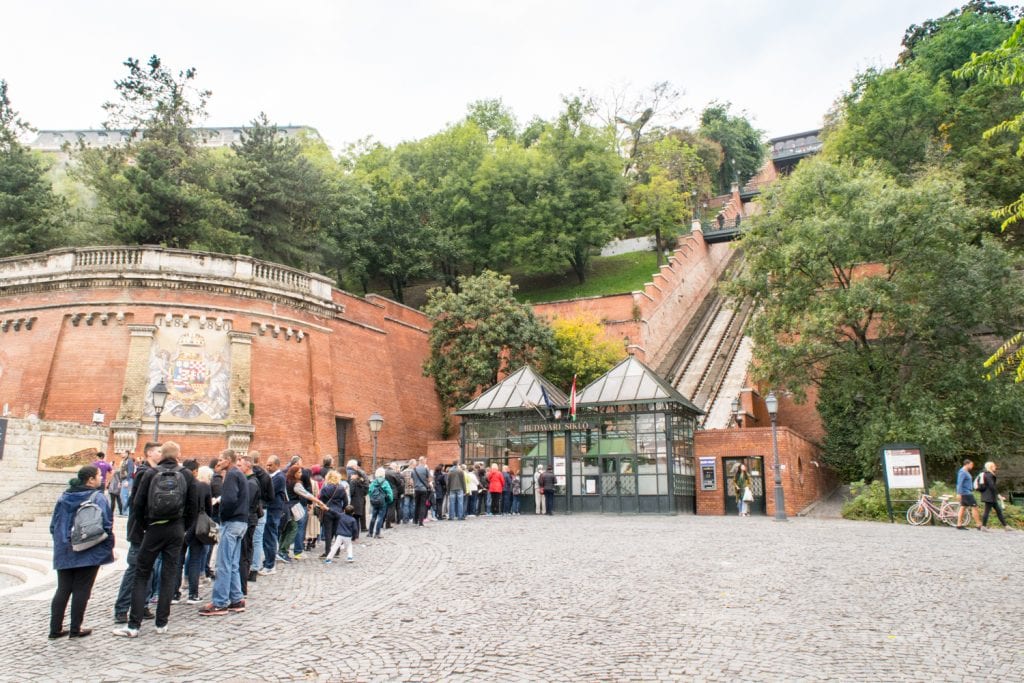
225 524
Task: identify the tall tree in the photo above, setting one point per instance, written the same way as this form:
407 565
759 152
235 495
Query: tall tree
158 188
580 350
744 150
879 294
478 334
32 216
284 198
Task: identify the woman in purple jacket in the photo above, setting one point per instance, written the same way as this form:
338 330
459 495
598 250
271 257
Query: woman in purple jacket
76 570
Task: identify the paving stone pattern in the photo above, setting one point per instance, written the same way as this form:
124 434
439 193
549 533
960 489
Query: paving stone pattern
586 598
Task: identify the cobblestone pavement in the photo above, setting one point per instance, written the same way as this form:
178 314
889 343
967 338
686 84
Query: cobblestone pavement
587 598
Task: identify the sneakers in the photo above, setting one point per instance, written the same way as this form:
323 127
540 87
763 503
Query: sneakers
211 610
161 629
193 600
328 561
298 556
350 559
284 558
126 632
237 606
267 572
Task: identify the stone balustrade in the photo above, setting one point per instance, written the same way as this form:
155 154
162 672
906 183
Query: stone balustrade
78 267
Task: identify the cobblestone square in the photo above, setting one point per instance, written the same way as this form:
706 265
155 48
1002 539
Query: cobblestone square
585 598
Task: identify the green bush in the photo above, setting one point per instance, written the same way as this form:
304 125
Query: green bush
868 503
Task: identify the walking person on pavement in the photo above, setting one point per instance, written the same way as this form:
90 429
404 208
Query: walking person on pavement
234 522
965 489
990 496
548 481
162 507
76 570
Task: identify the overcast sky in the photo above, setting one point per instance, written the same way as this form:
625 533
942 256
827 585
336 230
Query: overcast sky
399 70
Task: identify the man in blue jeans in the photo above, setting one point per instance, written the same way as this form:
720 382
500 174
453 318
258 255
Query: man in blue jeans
456 484
234 522
275 513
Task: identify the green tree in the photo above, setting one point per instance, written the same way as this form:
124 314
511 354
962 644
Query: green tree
581 350
876 293
742 145
159 187
657 206
478 334
284 198
494 118
579 204
32 216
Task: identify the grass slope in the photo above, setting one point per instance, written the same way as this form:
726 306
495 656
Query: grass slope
608 275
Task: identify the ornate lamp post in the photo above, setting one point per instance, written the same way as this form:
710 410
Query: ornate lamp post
376 423
160 394
772 403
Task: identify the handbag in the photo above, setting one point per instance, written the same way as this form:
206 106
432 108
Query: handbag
207 531
297 511
748 495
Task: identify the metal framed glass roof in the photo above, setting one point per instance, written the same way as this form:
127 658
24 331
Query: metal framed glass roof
631 382
519 391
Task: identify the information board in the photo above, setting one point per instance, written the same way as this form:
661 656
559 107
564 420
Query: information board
903 469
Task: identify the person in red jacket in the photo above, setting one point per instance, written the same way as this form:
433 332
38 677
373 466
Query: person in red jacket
495 485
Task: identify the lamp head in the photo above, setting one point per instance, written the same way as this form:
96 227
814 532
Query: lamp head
772 403
160 394
376 423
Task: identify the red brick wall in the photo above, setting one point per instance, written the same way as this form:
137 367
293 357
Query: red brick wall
804 477
371 360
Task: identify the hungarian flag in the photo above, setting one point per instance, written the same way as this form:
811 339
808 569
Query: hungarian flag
572 400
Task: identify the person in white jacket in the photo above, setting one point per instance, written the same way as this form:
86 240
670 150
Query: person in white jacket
538 497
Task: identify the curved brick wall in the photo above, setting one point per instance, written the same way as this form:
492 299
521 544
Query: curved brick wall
259 356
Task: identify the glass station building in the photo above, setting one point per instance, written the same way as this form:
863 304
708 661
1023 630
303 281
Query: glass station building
630 449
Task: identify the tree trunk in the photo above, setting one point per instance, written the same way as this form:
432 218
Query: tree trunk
657 245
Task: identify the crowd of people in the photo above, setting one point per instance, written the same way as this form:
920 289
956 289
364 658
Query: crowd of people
236 519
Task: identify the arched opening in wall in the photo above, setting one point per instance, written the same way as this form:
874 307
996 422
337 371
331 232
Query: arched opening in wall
800 470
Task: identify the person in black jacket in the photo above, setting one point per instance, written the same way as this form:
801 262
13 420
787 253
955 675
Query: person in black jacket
990 496
394 479
234 522
357 489
547 482
150 457
158 537
197 551
255 512
266 500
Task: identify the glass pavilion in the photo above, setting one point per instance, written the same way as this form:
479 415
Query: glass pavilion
629 450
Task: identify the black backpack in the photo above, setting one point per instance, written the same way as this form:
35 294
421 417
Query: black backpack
166 499
87 528
377 494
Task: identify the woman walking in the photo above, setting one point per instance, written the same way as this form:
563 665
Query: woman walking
990 496
743 493
77 569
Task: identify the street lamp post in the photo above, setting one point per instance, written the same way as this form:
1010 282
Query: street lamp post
772 403
376 423
160 394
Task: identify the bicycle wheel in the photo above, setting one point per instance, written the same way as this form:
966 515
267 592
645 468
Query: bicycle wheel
949 513
918 514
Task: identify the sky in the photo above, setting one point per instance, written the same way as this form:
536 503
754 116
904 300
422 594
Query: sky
402 70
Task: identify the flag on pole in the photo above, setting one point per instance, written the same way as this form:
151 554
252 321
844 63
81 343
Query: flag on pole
547 401
572 400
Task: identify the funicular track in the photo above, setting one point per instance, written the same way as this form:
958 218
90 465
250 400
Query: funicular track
708 345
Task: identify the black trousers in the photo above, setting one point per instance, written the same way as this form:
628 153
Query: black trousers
329 524
496 503
245 558
165 541
989 507
75 584
421 506
549 502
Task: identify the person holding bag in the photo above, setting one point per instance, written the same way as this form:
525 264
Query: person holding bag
77 569
742 489
336 498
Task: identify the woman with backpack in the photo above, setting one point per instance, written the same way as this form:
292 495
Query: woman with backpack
82 527
381 497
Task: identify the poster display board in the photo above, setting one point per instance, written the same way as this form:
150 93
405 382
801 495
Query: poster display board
903 468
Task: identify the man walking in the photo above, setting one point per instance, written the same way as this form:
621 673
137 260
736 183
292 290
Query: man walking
234 522
163 505
965 489
548 481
